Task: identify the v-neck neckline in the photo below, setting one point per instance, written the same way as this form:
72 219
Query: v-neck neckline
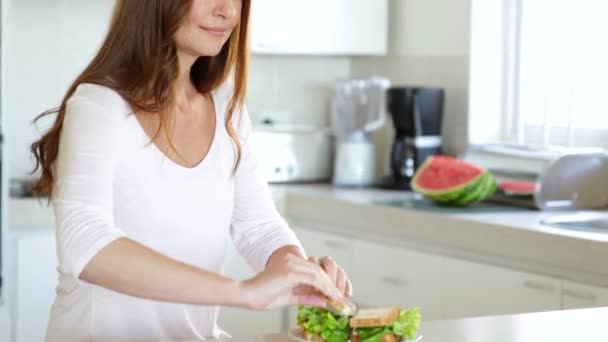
171 162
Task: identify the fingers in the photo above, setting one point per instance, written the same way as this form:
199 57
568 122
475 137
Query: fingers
303 289
306 273
330 267
341 281
313 259
349 288
310 299
338 275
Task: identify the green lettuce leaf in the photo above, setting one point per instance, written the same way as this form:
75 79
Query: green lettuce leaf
331 327
407 324
373 334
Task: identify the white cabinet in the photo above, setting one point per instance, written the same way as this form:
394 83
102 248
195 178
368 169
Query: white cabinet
320 27
576 296
473 289
35 283
319 244
241 322
388 276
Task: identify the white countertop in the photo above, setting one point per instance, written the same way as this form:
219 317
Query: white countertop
587 325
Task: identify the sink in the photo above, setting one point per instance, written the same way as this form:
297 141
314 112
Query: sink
590 222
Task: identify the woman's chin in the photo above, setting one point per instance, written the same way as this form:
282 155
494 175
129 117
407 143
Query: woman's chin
209 51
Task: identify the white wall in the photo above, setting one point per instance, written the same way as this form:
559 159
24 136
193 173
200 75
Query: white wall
430 27
429 46
46 44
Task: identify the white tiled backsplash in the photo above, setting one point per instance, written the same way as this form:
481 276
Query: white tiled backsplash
46 44
448 72
295 89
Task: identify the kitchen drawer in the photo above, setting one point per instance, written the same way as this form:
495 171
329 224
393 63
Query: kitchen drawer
475 289
320 244
576 296
386 276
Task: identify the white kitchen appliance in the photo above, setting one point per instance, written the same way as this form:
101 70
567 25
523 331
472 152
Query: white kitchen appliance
358 110
293 153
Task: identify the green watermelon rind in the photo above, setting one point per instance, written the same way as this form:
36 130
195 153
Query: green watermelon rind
485 190
467 195
454 196
475 191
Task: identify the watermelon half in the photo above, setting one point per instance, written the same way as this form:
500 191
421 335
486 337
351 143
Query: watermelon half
451 181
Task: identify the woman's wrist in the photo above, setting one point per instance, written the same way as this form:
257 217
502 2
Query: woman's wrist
234 293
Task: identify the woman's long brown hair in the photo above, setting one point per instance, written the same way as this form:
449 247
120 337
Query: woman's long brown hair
138 59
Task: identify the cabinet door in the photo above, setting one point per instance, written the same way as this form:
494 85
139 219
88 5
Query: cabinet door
473 289
36 283
576 296
347 27
388 276
241 322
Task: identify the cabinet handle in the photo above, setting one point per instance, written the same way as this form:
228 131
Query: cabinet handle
588 296
393 281
334 244
539 286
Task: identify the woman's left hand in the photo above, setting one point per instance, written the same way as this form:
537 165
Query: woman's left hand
336 273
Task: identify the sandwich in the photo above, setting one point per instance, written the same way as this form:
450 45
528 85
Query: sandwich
367 325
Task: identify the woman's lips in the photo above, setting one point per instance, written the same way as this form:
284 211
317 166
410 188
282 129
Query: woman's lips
216 31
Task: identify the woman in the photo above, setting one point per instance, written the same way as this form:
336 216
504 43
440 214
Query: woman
150 174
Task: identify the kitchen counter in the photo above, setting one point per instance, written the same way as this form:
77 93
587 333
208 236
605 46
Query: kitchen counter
510 237
587 325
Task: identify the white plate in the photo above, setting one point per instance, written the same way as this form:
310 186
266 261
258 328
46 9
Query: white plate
296 335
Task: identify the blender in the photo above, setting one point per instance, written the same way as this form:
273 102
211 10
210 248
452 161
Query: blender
359 109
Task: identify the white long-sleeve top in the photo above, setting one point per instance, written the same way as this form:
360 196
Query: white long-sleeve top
110 183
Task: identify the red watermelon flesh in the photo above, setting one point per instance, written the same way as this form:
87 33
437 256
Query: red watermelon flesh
518 188
444 174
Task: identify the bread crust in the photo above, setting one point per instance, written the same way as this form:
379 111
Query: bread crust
385 338
369 318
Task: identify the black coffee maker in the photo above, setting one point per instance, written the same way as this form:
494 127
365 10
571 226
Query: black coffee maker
417 116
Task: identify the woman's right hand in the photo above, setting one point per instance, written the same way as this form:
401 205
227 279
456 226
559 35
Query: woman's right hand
290 280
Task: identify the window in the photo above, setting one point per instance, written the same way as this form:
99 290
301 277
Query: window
539 73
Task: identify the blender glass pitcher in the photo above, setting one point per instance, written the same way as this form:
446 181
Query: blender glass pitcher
359 108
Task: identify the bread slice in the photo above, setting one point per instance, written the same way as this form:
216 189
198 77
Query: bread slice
385 338
368 318
338 305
